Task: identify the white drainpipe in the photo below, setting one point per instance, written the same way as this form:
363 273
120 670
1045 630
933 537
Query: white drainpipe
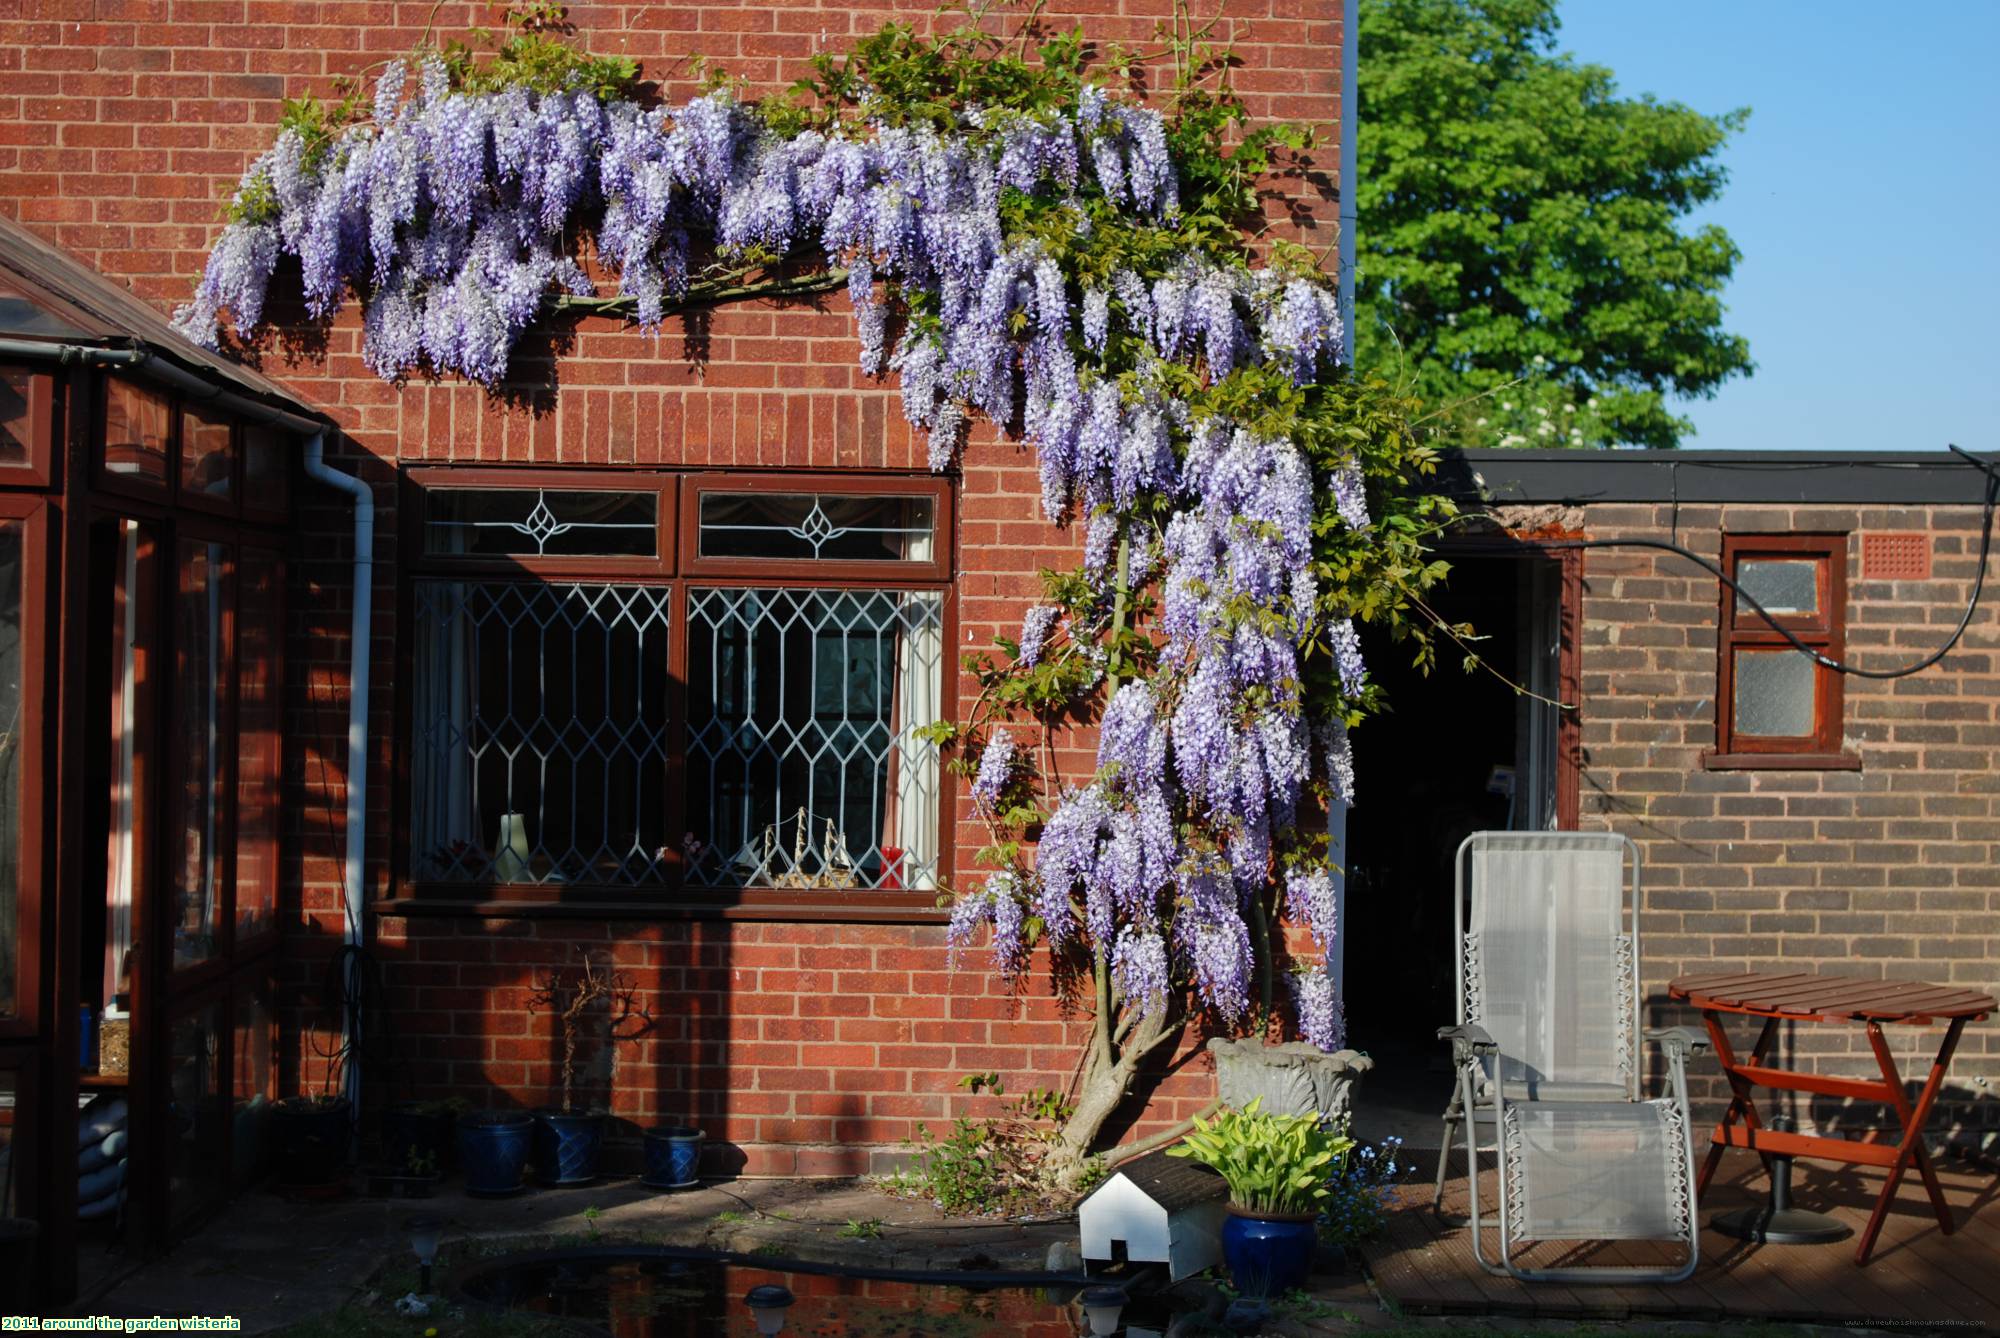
357 726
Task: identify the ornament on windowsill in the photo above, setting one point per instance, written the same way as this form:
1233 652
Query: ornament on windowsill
836 866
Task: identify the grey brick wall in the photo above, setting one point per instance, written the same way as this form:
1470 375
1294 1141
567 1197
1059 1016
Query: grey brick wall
1889 870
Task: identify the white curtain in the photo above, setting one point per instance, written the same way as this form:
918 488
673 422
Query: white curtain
920 699
444 797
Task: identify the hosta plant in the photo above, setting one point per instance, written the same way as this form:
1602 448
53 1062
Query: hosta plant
1275 1165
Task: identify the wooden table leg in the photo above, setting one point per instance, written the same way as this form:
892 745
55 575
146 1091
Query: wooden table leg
1893 1082
1912 1146
1741 1101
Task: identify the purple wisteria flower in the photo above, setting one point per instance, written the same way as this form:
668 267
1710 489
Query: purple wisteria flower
996 767
1036 625
1322 1019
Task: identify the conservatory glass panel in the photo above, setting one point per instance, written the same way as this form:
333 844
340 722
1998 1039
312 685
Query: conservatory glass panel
200 719
529 522
17 420
194 1155
259 745
11 702
804 764
540 732
208 455
135 432
817 527
266 467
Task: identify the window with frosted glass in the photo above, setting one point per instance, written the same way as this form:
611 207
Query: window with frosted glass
804 765
1777 705
200 725
135 432
12 665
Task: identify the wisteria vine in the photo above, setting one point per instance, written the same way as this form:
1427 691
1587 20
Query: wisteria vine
1054 256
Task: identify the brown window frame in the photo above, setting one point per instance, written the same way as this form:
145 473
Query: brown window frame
678 566
1745 628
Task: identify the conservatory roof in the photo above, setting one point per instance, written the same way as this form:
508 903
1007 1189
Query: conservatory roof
49 297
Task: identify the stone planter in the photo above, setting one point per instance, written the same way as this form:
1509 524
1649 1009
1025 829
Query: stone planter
1293 1078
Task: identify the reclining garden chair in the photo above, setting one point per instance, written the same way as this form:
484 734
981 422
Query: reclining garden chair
1546 1057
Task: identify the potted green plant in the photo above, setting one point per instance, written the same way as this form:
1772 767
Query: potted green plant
568 1139
1278 1169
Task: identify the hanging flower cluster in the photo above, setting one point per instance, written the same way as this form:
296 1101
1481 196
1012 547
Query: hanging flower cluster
1037 264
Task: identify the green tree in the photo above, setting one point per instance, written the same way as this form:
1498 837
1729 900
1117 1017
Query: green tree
1520 222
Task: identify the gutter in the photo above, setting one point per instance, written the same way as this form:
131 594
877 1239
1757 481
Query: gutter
144 362
359 659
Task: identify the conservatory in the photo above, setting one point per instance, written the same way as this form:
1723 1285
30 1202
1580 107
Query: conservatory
144 494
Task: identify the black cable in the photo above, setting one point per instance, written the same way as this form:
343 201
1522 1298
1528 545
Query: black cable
1838 666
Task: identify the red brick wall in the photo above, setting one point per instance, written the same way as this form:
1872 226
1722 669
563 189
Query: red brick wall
1890 870
123 123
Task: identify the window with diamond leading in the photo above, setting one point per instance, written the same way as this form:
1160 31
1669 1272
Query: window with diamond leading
1777 707
706 688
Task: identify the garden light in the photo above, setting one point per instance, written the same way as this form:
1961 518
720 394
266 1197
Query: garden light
1102 1306
768 1304
424 1234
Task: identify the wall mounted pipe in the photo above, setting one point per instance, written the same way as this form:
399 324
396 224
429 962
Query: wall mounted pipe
359 659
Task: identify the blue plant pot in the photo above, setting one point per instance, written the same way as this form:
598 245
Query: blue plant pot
493 1150
1268 1256
673 1157
566 1147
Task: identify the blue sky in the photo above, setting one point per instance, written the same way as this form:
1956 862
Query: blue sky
1865 196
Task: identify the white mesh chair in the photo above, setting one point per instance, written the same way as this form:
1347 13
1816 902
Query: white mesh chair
1546 1053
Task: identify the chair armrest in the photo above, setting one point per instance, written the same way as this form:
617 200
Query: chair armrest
1686 1040
1469 1039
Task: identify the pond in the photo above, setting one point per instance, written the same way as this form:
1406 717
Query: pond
662 1292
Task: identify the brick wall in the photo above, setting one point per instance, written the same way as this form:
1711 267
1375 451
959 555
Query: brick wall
123 123
1889 870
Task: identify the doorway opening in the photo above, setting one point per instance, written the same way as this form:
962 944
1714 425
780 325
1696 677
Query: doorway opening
1482 749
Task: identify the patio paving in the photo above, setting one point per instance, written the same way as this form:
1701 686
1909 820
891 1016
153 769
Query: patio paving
1918 1277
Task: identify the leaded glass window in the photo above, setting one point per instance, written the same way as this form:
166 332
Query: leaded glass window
817 527
540 748
628 688
540 522
804 768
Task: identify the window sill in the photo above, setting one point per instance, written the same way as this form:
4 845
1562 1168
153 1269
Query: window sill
916 908
1781 761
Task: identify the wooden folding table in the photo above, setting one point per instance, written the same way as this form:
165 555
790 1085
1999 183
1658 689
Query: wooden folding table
1799 997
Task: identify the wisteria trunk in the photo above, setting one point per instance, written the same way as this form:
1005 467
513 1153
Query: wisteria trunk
1107 1079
